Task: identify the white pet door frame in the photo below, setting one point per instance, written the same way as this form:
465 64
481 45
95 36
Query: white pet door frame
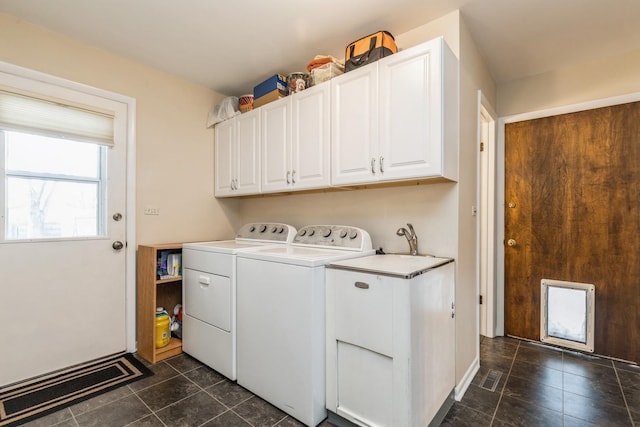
567 314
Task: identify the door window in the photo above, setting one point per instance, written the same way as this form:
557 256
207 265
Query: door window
54 187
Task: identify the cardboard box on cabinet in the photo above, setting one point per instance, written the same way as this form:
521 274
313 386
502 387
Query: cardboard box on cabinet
275 82
274 95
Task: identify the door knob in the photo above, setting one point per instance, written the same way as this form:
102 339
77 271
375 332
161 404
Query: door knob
511 242
117 216
117 245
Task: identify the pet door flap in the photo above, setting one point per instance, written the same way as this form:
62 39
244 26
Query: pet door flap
567 314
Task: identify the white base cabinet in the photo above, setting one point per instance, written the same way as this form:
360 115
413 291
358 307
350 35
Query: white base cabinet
390 345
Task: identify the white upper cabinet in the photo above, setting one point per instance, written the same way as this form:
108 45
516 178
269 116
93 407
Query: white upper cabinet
224 156
310 138
354 126
295 141
397 118
275 140
237 156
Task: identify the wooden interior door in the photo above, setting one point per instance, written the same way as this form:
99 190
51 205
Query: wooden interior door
572 213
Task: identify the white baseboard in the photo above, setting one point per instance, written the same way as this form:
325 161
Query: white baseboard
465 382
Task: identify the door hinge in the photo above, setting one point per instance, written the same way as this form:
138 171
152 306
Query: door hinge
482 146
480 299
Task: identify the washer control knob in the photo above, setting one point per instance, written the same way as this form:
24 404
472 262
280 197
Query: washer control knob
353 235
327 233
274 229
252 229
302 232
343 234
263 228
312 232
280 230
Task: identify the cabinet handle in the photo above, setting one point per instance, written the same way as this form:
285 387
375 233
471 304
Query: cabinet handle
234 185
373 166
293 177
204 280
288 175
362 285
381 164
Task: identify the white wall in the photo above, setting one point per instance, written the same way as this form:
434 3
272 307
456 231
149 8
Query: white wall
593 80
174 147
473 77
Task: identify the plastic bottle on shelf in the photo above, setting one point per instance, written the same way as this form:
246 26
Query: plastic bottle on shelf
163 332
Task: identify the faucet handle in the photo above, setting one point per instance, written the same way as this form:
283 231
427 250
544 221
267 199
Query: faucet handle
411 229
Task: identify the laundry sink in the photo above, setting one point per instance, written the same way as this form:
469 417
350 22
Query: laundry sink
397 265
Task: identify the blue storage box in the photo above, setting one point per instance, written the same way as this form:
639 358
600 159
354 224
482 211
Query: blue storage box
275 82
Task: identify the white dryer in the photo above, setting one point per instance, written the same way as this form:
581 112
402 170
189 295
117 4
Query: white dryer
209 292
281 317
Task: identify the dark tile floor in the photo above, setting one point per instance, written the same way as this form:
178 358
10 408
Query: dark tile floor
545 386
538 386
182 392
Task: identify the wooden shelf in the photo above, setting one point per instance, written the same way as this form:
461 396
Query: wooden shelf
173 279
172 349
154 293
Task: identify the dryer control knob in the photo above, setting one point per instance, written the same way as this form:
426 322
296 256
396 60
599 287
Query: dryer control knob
252 229
280 230
312 232
327 234
263 228
343 234
274 229
353 235
303 232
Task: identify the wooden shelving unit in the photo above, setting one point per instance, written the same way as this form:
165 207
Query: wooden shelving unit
152 293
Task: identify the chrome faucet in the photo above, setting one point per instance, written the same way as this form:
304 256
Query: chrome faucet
411 238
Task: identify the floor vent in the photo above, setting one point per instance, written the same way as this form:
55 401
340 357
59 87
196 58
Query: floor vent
491 380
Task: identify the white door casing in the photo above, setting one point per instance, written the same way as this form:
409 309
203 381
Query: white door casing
72 300
486 229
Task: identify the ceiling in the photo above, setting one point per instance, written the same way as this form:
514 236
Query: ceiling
230 45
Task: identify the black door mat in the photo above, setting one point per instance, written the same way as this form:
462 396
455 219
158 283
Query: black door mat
40 396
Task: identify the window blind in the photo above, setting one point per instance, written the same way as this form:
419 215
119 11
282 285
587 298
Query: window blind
54 118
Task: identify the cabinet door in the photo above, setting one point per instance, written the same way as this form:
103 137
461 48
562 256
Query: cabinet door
276 143
354 126
224 158
411 112
310 139
248 153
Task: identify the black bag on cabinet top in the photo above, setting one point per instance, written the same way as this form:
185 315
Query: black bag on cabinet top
369 49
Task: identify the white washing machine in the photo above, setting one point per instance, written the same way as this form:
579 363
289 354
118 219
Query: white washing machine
209 292
281 317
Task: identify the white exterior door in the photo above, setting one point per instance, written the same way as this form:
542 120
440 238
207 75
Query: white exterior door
62 282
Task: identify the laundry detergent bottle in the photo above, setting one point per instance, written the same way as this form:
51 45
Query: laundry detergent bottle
163 325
